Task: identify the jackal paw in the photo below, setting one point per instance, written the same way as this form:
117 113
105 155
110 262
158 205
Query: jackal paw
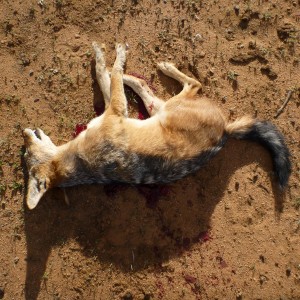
37 137
166 67
121 53
100 53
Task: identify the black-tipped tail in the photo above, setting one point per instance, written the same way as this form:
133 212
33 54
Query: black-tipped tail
269 136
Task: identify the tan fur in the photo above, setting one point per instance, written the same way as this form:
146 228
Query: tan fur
240 125
179 129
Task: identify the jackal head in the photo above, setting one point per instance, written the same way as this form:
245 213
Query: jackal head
39 153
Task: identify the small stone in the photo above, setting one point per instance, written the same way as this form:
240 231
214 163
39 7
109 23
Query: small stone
202 54
262 258
288 272
167 267
77 36
211 71
252 45
198 37
127 296
75 48
262 279
25 61
30 72
236 9
239 295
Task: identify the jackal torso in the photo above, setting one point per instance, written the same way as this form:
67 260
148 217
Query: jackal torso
133 151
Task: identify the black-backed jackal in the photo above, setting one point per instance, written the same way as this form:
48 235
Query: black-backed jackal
181 135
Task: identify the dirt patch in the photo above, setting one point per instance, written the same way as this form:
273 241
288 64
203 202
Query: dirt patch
225 232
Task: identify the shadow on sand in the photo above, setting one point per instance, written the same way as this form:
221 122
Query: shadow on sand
112 222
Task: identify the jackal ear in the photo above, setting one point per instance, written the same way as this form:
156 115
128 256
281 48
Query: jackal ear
37 187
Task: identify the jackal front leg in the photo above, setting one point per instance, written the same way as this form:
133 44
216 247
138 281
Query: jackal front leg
118 102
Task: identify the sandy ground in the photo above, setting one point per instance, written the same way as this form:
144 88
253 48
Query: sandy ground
225 232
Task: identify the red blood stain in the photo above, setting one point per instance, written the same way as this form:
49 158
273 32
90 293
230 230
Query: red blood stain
160 288
204 236
141 116
79 128
151 106
189 278
142 111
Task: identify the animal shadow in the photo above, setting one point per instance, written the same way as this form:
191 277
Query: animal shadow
134 227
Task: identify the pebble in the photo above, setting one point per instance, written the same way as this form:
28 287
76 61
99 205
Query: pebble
1 292
262 279
236 9
198 37
127 296
202 54
239 295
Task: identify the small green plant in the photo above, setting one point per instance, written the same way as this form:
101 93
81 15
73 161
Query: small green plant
31 13
88 53
16 186
2 189
45 276
7 27
16 166
267 17
297 203
9 99
232 76
293 39
59 4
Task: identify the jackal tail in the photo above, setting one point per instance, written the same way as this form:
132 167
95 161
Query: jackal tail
270 137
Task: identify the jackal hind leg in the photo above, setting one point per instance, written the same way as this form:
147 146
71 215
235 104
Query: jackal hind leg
102 74
140 86
190 86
